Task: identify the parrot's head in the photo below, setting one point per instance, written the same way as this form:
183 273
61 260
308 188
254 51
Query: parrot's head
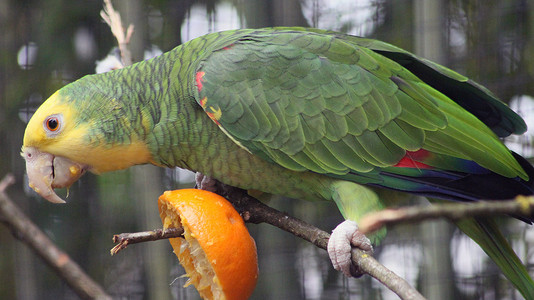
67 137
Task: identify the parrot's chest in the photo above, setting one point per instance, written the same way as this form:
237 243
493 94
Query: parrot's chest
235 166
201 146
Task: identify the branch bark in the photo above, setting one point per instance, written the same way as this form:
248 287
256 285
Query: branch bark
113 19
254 211
125 239
521 207
25 230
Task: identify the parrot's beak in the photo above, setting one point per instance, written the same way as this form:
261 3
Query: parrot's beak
46 172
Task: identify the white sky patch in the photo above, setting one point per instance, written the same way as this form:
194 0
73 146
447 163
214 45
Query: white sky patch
404 260
181 176
110 62
84 44
355 15
199 22
522 144
468 261
310 266
27 55
521 238
113 61
457 35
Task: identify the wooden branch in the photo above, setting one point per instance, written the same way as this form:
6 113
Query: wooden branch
521 206
113 19
125 239
23 229
254 211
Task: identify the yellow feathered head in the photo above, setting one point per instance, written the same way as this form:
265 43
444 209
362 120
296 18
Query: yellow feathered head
67 137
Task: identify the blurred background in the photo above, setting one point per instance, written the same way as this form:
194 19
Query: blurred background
47 44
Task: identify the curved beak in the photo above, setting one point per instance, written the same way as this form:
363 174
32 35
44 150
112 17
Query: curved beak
46 172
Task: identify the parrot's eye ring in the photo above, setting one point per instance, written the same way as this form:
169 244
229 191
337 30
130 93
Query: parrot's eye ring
52 124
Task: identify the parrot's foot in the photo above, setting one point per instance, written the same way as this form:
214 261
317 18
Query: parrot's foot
206 183
339 247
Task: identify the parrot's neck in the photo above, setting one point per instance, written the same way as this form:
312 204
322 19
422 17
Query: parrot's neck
147 110
161 110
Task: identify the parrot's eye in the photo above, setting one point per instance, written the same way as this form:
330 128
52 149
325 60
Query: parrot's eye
52 124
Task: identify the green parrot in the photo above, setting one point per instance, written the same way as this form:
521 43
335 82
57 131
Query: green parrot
303 113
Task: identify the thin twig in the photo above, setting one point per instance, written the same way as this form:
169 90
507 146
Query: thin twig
521 206
24 229
113 19
125 239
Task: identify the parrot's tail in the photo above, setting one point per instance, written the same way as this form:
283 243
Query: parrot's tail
471 182
481 184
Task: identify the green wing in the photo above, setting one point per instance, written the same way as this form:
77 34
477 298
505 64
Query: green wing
320 102
472 96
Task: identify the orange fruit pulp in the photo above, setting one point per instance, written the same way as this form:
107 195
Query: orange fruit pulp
217 252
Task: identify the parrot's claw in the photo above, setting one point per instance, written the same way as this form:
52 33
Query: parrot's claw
206 183
339 247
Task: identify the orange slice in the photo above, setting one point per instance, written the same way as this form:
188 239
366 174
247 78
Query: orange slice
217 252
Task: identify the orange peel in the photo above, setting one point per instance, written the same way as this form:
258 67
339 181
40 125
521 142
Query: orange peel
217 251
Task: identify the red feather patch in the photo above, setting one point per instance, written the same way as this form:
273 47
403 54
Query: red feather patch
412 160
228 47
198 79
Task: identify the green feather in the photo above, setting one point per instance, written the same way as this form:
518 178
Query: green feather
410 139
487 235
347 156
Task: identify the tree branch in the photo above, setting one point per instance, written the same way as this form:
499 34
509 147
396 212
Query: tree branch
521 206
125 239
23 229
254 211
113 19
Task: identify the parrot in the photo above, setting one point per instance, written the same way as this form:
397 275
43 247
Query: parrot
300 112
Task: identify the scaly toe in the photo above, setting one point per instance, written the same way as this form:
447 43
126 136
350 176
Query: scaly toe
339 247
